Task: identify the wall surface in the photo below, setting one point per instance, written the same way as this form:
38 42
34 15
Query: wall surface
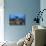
27 7
43 6
1 20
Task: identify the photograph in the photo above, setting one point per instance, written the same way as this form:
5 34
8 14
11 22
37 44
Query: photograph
17 19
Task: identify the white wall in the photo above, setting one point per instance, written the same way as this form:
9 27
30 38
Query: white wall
1 20
43 6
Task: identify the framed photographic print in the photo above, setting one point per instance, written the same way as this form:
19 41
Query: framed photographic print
17 19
